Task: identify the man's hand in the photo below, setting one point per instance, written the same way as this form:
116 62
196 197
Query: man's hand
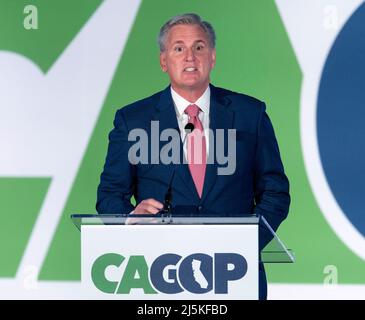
148 206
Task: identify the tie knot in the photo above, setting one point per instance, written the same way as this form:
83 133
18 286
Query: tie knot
192 110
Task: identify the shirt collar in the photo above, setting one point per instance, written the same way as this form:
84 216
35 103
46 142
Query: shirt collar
181 104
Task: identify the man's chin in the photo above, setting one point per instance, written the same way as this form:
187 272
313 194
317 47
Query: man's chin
194 85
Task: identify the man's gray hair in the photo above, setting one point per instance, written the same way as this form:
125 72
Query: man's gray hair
190 19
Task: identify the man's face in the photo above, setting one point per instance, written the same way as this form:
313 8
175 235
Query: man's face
188 57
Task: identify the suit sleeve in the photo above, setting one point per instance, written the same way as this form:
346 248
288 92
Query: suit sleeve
117 181
271 186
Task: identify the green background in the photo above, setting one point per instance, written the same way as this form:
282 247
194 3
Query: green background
254 56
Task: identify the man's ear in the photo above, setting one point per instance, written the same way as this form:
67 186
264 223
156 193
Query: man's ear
163 61
213 58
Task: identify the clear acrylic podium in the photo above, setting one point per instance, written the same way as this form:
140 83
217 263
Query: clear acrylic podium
165 257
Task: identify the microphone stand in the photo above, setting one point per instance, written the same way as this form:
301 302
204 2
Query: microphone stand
167 205
166 210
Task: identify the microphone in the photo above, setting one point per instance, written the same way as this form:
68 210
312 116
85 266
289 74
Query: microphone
189 127
166 210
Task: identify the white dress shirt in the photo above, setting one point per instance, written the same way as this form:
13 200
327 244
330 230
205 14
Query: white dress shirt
182 118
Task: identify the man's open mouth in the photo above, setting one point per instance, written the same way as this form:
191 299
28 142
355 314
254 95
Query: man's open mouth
190 69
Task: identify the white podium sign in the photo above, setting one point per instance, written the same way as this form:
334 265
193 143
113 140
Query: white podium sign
184 262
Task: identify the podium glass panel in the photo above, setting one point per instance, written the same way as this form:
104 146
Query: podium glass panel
274 252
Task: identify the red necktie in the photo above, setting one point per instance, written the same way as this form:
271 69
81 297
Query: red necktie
196 148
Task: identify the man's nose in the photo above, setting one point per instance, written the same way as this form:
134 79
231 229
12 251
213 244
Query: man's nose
190 55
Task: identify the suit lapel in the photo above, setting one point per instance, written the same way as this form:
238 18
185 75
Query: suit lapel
166 115
220 118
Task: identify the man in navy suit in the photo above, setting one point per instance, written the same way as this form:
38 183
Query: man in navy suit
257 185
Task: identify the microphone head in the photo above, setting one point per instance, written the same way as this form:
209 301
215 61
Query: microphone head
189 127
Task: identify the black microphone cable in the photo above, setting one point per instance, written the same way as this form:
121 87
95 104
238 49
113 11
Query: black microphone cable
166 210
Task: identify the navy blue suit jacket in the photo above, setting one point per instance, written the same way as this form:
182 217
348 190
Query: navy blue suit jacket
258 185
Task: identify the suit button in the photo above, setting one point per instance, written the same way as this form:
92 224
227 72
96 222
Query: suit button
200 208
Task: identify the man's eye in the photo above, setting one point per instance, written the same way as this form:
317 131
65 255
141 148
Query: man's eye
199 47
178 49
